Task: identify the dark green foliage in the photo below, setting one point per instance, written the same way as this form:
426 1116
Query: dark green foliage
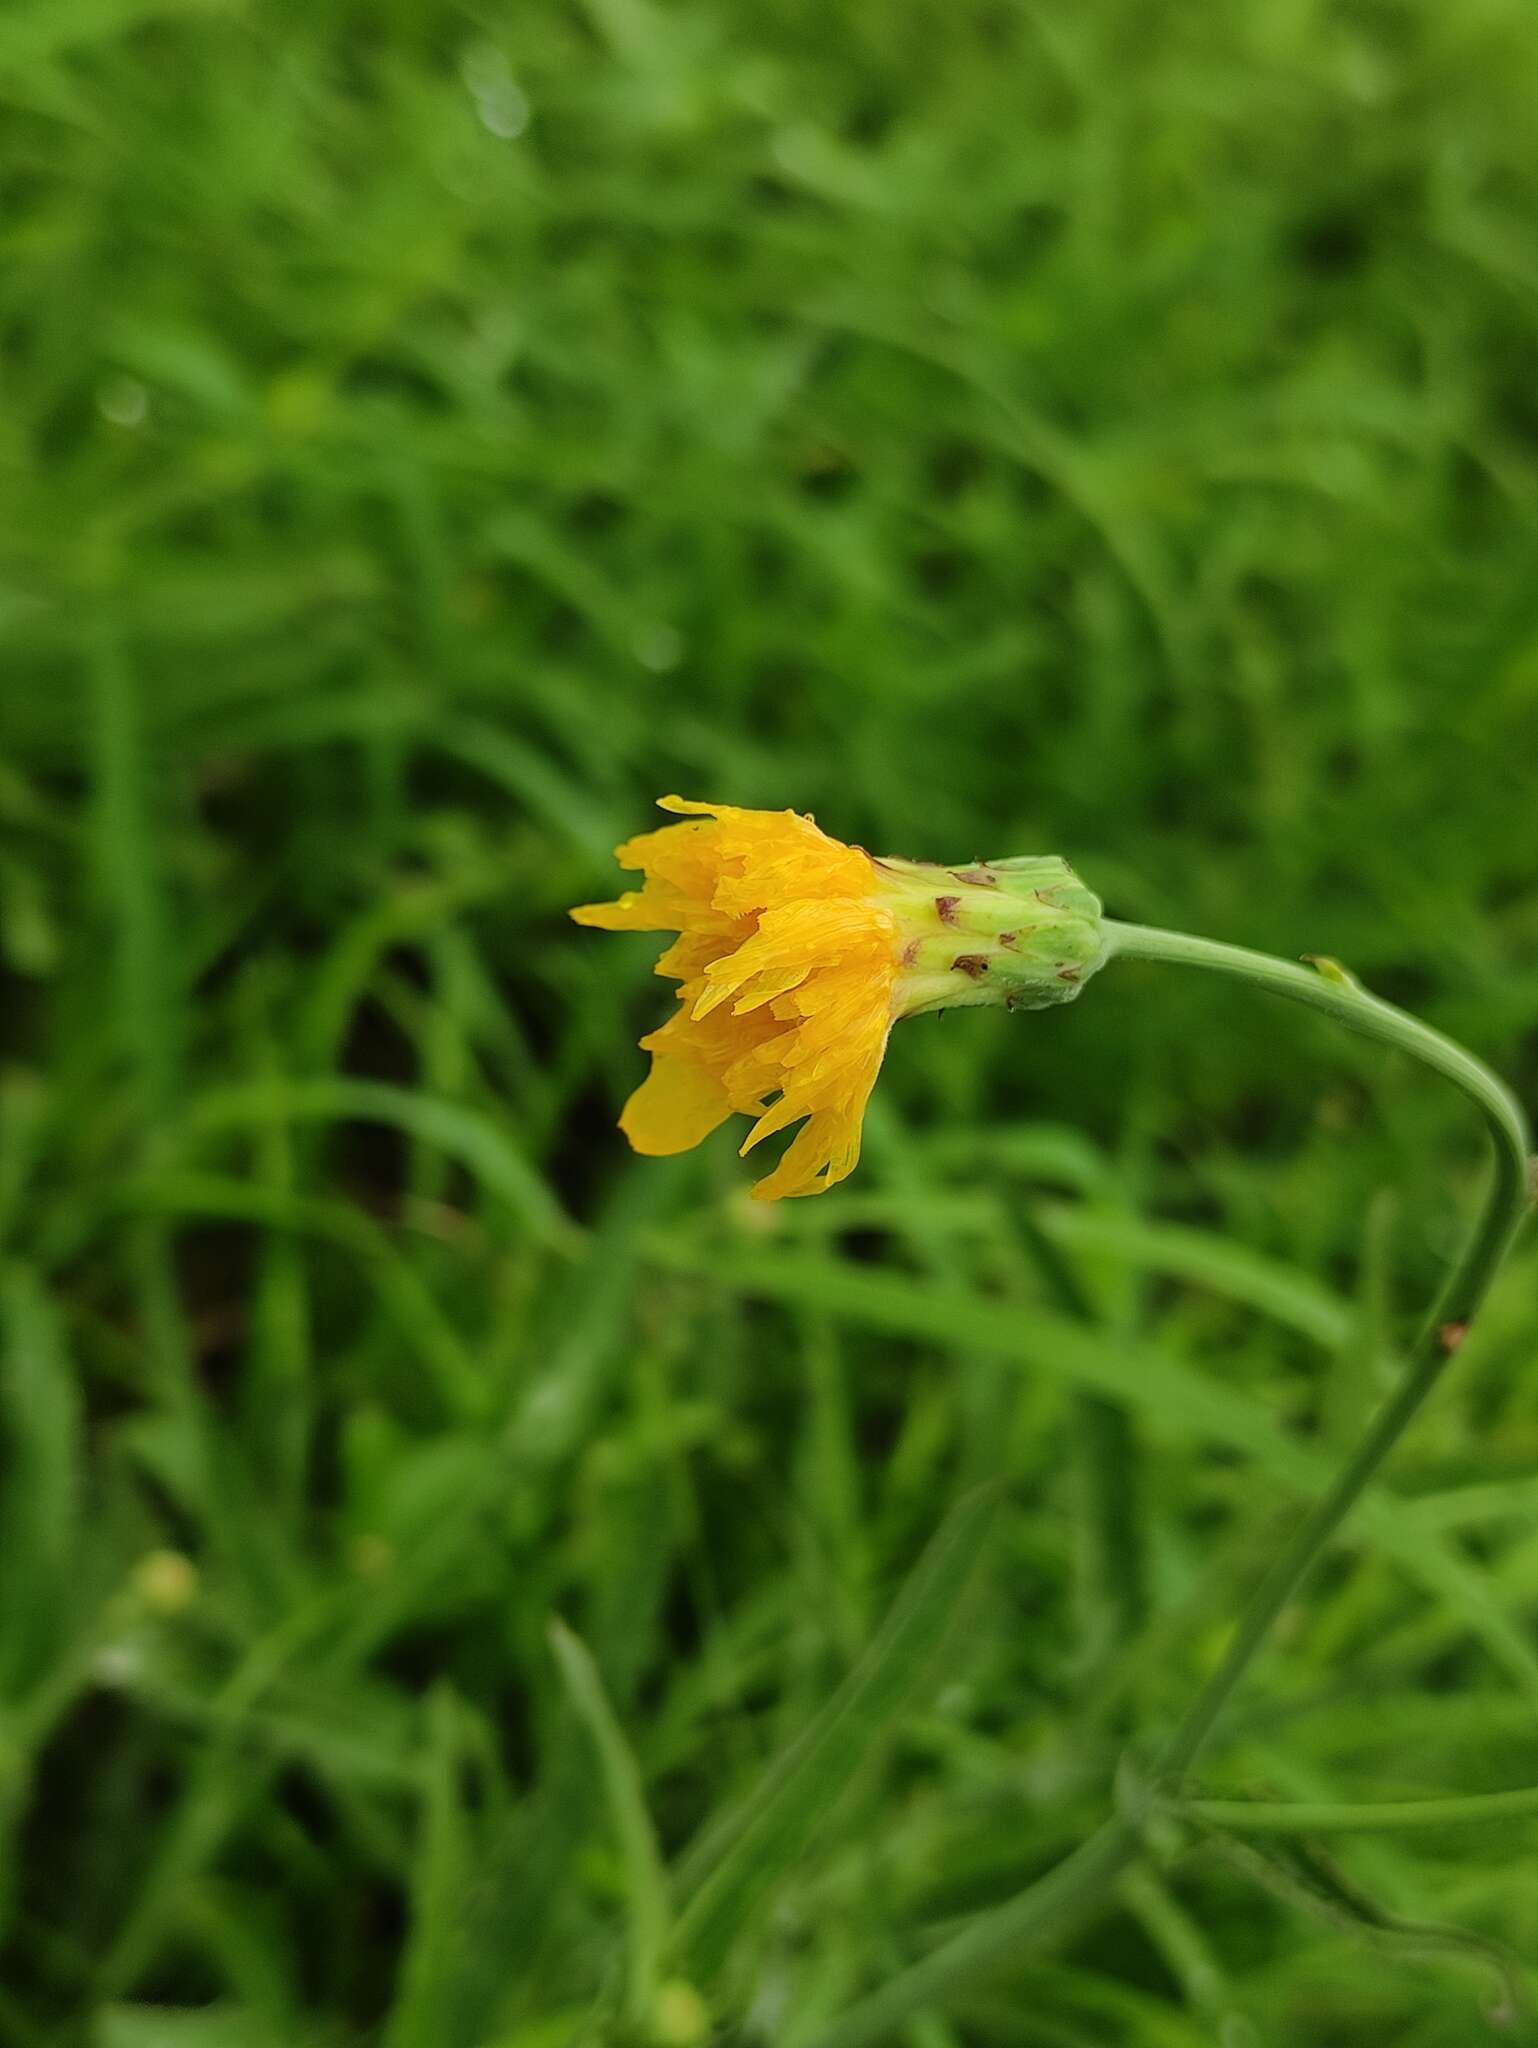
428 432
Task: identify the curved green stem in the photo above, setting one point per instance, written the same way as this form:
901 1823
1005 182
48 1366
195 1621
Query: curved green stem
1328 987
1086 1875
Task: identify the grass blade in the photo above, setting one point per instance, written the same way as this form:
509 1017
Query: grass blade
1178 1401
465 1135
650 1915
439 1876
734 1870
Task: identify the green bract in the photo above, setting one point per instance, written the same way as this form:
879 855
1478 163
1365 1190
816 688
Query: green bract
1025 933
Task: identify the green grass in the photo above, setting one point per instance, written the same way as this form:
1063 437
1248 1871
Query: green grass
617 1613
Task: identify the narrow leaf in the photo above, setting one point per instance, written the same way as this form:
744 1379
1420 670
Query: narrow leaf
736 1866
1178 1400
650 1917
440 1874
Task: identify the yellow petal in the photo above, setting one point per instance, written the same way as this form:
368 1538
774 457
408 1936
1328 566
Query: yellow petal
623 916
788 1110
677 1105
658 907
690 808
824 1151
787 960
691 953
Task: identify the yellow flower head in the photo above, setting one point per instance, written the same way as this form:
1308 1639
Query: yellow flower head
797 955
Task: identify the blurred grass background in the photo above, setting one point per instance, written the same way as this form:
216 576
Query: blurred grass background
430 431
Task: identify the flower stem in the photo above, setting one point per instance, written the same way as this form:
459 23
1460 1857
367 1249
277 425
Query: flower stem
1084 1877
1329 988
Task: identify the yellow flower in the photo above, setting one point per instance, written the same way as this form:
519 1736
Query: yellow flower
797 955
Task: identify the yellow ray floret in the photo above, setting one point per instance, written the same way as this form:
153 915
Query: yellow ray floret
788 964
796 955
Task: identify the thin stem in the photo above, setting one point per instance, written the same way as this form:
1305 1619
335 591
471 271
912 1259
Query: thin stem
1087 1875
1317 1817
1329 988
